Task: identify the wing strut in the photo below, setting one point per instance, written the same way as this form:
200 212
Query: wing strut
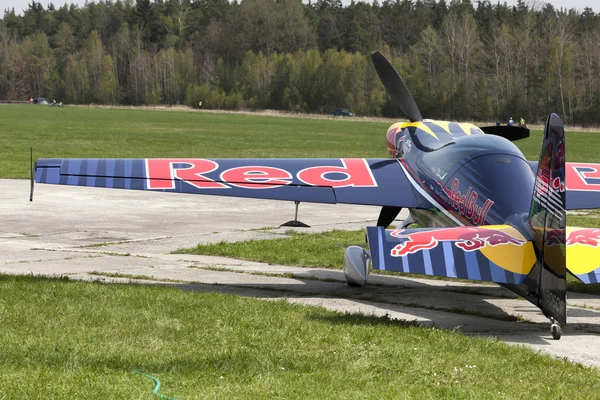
295 223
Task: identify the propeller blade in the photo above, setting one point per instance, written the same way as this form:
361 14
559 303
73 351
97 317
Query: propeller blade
395 87
387 215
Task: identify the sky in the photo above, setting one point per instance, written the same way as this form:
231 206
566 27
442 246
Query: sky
20 5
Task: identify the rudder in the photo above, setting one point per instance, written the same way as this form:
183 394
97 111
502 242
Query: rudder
546 286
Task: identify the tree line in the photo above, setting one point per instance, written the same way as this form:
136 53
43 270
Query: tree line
461 61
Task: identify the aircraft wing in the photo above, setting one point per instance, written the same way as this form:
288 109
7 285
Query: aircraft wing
380 182
583 185
496 253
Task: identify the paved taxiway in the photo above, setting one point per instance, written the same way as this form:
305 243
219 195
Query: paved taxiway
86 232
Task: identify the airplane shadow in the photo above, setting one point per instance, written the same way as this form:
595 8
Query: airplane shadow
471 310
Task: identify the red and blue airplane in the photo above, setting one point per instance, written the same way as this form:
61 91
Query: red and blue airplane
486 212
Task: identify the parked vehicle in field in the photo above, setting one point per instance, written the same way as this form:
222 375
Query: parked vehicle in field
340 112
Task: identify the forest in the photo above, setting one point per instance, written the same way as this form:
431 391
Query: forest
481 61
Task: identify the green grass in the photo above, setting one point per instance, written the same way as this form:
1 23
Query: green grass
64 340
96 132
323 250
209 345
104 132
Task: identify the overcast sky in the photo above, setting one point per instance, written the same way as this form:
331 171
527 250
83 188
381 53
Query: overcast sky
20 5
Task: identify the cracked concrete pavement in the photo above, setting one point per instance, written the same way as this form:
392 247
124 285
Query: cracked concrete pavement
91 233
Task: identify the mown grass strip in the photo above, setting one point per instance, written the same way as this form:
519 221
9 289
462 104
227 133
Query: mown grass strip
128 133
210 345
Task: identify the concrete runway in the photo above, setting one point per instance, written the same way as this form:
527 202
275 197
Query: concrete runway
86 232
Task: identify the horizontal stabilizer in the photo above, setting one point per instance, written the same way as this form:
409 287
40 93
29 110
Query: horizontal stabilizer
511 133
583 185
496 253
583 253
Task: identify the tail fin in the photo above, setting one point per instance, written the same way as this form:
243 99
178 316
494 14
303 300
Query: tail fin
545 286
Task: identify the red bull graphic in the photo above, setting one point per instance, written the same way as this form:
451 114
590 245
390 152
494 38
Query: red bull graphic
585 237
467 204
465 238
555 237
545 184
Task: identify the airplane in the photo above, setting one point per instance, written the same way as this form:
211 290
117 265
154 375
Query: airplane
484 211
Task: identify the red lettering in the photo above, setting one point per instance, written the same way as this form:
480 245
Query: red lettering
256 177
583 176
355 171
455 194
467 204
161 173
471 204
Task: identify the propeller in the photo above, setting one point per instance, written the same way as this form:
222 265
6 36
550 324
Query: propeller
395 87
399 93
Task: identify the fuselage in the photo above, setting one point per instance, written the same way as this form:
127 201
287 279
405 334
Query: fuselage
464 176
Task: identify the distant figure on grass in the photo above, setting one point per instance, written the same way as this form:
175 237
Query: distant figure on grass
522 123
30 100
511 122
200 104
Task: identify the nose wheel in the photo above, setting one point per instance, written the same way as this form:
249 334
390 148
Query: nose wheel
555 330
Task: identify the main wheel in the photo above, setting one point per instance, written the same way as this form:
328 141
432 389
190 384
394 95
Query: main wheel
556 331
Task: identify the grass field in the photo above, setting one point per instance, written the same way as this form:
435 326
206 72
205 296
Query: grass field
61 339
104 132
73 340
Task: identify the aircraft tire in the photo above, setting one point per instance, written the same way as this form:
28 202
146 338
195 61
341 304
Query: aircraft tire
556 331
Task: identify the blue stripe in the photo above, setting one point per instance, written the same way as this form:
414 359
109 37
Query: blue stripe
101 173
416 263
437 261
485 268
128 170
380 244
405 264
119 173
517 278
427 260
110 172
460 262
585 278
82 181
498 273
472 265
92 167
449 260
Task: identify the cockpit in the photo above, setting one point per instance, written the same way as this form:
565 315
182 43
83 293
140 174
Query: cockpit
444 161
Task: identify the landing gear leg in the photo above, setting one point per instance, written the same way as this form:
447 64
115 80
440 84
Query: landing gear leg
555 330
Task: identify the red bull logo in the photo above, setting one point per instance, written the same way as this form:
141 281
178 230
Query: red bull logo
466 204
465 238
555 237
585 237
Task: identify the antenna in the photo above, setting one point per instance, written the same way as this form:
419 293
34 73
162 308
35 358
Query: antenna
31 173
